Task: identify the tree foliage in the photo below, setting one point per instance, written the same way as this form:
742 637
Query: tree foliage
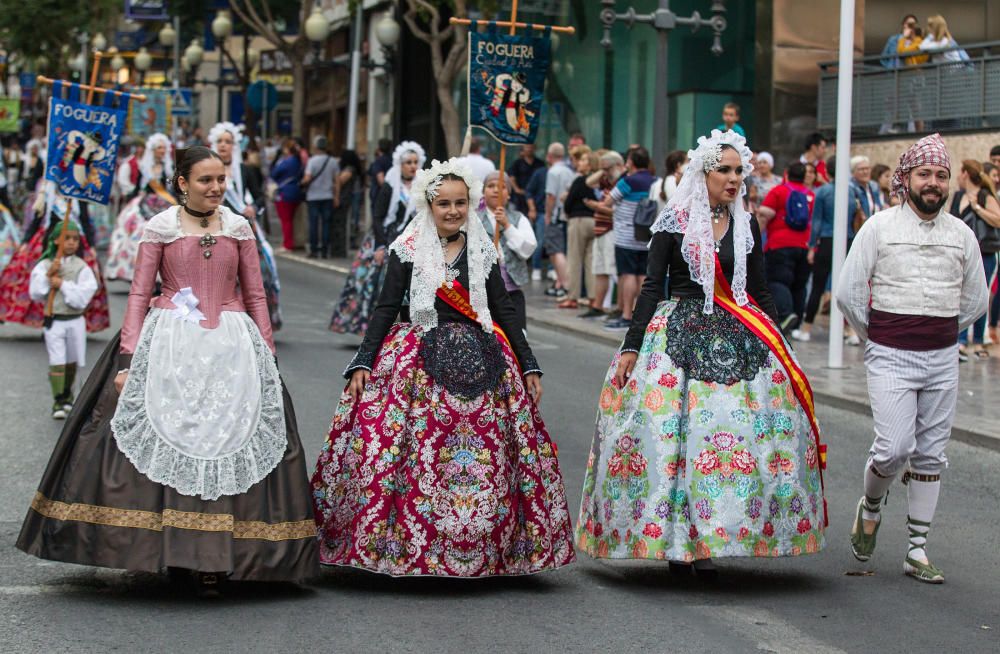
43 27
261 16
428 20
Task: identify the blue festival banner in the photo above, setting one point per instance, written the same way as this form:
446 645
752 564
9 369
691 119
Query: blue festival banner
507 82
83 144
152 116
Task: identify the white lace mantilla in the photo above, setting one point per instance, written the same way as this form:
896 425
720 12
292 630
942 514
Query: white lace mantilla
165 227
420 244
202 409
690 213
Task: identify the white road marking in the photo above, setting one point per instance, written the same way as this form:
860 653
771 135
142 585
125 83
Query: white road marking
43 589
770 632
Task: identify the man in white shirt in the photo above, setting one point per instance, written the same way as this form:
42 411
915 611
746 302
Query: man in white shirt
321 171
557 182
476 162
913 280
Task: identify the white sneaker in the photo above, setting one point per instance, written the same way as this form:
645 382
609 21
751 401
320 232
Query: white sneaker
853 339
551 275
59 414
536 275
799 335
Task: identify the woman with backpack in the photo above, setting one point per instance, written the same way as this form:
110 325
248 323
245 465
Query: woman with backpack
976 204
707 444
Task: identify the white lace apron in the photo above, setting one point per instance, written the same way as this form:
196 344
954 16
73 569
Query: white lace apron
201 410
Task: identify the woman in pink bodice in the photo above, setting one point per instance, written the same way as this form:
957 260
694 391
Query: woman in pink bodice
182 451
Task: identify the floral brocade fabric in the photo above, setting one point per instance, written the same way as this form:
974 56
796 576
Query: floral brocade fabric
361 289
128 232
684 469
713 347
414 480
463 358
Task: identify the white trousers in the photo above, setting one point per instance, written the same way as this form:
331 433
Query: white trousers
913 397
66 342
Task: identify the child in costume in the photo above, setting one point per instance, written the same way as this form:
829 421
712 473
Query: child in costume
66 329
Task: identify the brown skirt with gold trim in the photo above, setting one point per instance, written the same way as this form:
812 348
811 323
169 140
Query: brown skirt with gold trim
94 508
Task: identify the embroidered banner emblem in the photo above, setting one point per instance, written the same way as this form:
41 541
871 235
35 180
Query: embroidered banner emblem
507 82
83 145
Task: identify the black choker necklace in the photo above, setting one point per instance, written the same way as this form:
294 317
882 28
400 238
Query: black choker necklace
719 212
445 240
204 215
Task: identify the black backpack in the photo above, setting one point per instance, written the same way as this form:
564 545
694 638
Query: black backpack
645 215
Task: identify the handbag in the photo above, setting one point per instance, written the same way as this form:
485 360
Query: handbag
987 235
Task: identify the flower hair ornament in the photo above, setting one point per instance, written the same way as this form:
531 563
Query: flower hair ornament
148 160
394 178
689 213
419 244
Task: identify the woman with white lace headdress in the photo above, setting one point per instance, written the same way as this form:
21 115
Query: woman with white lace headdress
156 168
245 196
392 210
181 451
707 444
438 462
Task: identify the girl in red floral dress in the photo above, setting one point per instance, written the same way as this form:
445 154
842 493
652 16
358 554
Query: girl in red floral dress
438 462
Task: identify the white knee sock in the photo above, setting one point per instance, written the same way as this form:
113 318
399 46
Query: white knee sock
922 497
876 486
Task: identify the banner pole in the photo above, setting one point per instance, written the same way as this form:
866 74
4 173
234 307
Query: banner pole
503 148
50 301
93 77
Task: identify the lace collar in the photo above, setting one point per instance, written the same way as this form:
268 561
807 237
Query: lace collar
165 227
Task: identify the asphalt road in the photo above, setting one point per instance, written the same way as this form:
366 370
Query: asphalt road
809 604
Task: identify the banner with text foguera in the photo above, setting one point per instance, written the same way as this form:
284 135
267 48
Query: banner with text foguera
507 83
83 145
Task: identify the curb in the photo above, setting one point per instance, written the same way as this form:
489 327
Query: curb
967 436
315 263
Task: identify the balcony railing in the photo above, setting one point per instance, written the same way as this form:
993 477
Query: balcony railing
946 96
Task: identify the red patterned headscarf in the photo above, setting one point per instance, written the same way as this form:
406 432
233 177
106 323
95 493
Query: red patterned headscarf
928 151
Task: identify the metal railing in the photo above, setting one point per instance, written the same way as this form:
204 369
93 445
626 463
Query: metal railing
943 96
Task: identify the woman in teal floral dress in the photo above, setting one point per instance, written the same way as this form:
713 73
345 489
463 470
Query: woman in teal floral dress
706 443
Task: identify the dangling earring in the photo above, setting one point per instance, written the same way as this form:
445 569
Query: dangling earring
184 198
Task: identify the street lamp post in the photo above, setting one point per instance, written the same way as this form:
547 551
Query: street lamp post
387 32
83 39
222 27
663 20
352 103
143 61
170 36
